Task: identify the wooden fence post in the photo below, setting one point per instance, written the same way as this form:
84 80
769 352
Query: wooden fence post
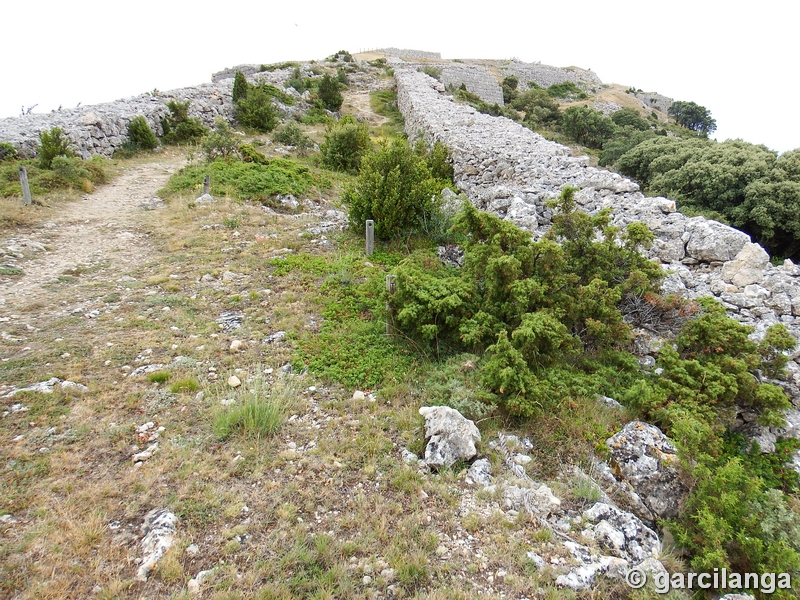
370 237
26 188
206 184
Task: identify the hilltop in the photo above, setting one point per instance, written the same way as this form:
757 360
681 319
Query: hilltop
200 398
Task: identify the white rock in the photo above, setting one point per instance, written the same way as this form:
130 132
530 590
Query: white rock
234 381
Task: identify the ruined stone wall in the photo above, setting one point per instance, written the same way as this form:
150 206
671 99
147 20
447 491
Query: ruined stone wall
652 100
511 171
545 75
411 54
101 128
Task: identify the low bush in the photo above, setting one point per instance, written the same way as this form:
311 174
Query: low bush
51 144
7 151
292 134
346 142
395 188
329 93
221 142
567 90
256 111
179 127
140 135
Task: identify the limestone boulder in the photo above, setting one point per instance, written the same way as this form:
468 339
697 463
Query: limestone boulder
747 267
451 436
644 458
710 241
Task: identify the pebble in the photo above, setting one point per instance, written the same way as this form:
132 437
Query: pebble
359 395
236 345
234 381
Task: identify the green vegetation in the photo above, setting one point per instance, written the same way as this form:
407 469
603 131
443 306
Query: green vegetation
329 93
346 142
749 185
179 127
65 173
7 151
384 103
395 188
587 126
244 180
258 413
51 144
545 315
220 143
255 110
140 135
240 87
291 134
567 90
693 116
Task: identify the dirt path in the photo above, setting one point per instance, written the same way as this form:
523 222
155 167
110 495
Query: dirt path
101 233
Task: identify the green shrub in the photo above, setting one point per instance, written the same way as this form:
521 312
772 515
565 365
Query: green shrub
539 107
7 151
587 126
72 172
140 136
509 86
256 110
179 127
543 316
240 87
329 93
630 117
51 144
291 134
221 142
298 82
566 89
431 71
346 142
159 377
187 384
438 160
251 154
395 188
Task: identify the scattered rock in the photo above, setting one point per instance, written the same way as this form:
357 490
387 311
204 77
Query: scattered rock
205 199
159 535
236 345
274 337
359 395
234 381
228 320
747 267
480 472
643 457
450 436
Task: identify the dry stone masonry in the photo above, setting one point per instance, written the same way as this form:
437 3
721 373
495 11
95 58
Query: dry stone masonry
511 171
101 128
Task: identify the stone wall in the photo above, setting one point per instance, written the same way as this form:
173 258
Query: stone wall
476 78
101 128
545 75
412 54
653 100
508 169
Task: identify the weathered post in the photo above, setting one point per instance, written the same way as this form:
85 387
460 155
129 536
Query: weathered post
370 237
207 184
26 188
391 286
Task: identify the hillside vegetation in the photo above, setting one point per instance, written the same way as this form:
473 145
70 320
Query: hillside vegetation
256 378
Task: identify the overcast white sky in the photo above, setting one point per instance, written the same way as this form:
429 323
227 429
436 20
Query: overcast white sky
739 60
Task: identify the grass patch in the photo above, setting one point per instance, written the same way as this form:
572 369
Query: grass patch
159 377
243 180
187 384
258 413
384 103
